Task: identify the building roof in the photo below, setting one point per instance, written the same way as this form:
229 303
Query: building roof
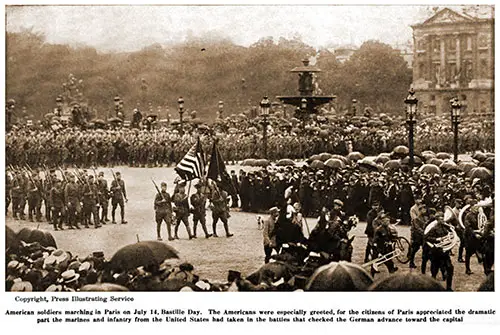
468 14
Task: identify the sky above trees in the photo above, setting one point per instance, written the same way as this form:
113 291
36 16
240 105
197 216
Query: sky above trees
130 28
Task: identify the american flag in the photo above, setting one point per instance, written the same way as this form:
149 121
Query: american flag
193 164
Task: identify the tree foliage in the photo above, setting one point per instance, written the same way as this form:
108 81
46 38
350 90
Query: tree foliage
201 72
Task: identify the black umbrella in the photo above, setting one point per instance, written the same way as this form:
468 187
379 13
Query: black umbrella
341 276
30 235
407 282
285 162
11 239
142 254
480 172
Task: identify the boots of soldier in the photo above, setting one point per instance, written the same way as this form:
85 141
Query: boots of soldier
226 227
189 231
176 230
195 225
169 231
214 229
205 230
158 231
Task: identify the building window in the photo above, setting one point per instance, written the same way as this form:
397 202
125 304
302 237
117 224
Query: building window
463 97
433 97
452 44
436 45
469 43
421 70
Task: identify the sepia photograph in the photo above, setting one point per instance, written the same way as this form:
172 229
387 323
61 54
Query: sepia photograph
249 148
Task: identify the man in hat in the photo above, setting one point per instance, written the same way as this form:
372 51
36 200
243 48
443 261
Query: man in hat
163 211
72 198
198 201
418 224
269 233
103 192
472 236
382 241
18 193
370 230
57 204
220 209
118 197
90 207
236 186
440 258
181 209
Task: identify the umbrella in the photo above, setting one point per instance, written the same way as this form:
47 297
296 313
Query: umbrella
443 155
342 158
323 133
449 166
480 172
478 155
98 121
392 165
401 150
339 276
262 162
369 165
317 164
488 164
428 156
429 169
407 282
335 163
103 287
285 162
315 158
416 160
114 120
466 166
355 156
325 156
248 162
30 235
203 127
270 272
428 152
382 159
142 254
196 121
175 122
435 161
11 240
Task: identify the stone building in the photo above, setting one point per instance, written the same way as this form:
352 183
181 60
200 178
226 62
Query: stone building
454 57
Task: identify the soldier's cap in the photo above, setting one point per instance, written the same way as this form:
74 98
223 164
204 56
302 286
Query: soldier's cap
164 184
101 173
338 202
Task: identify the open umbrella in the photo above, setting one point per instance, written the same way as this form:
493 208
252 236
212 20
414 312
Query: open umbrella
339 276
342 158
315 158
30 235
416 160
449 166
103 287
392 165
369 165
429 169
114 120
335 163
248 162
481 173
443 155
480 156
466 166
407 282
271 272
427 155
285 162
382 159
142 254
401 151
317 164
98 122
355 156
435 161
262 162
175 122
325 156
11 240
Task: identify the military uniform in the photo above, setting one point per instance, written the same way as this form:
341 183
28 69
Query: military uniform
103 192
34 189
440 259
163 212
198 201
181 212
73 207
220 210
90 205
57 205
117 198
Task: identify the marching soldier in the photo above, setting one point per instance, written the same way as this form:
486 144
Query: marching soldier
90 207
370 230
472 237
198 201
72 198
57 205
269 233
102 187
163 211
18 196
181 202
119 197
34 198
418 224
220 210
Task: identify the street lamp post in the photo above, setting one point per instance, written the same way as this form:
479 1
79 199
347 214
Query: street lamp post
411 112
221 108
180 102
455 121
303 112
265 105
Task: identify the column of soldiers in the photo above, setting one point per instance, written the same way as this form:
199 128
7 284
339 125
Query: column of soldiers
177 208
77 199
